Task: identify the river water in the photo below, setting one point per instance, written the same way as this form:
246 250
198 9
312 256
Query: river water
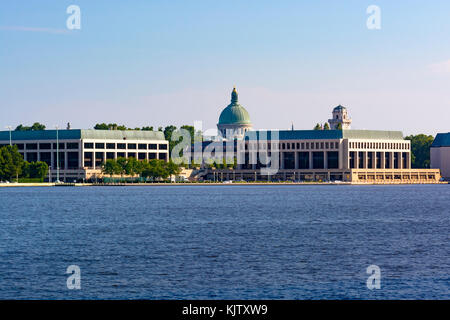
225 242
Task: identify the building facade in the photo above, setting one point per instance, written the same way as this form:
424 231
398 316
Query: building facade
440 154
362 156
359 156
79 154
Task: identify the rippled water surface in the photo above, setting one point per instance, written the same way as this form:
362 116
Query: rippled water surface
225 242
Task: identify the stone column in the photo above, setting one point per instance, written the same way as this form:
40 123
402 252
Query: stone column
325 160
356 160
391 160
365 159
296 160
383 160
310 160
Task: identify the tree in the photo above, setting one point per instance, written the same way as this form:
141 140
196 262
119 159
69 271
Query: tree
11 163
131 167
420 150
35 127
122 163
168 131
339 126
172 168
101 126
37 170
111 167
326 126
147 129
318 127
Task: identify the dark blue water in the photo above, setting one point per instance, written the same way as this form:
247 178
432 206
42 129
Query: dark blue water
225 242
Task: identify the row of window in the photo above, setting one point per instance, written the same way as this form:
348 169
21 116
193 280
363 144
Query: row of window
46 146
295 145
379 145
124 146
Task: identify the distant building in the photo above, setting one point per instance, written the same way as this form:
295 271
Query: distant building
311 155
340 116
440 154
82 152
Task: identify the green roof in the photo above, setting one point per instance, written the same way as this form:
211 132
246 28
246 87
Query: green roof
441 140
122 134
372 134
234 113
76 134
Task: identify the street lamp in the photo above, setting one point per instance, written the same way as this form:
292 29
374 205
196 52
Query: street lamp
10 140
57 154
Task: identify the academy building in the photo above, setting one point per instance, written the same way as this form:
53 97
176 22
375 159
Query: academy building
362 156
79 154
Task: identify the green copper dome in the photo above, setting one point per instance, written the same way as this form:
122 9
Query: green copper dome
234 113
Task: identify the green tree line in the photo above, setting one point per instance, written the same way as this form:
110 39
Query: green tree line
154 169
12 166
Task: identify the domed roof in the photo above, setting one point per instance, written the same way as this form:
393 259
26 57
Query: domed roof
234 113
339 108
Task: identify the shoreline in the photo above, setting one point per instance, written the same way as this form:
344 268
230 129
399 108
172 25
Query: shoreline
164 184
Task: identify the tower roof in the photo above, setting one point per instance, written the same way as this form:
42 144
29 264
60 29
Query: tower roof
339 108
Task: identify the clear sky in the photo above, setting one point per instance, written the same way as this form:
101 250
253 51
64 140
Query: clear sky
157 63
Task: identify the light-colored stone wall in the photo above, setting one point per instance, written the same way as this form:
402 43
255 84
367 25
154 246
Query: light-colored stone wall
440 158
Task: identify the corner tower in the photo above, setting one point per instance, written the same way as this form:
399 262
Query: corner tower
340 116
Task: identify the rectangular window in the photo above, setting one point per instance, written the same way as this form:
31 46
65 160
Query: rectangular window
110 146
121 146
142 146
151 156
72 160
32 156
153 146
72 145
163 147
132 146
45 146
61 146
88 145
318 160
99 146
162 156
352 159
303 160
333 159
47 158
32 146
88 159
141 156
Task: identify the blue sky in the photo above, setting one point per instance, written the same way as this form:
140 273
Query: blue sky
157 63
